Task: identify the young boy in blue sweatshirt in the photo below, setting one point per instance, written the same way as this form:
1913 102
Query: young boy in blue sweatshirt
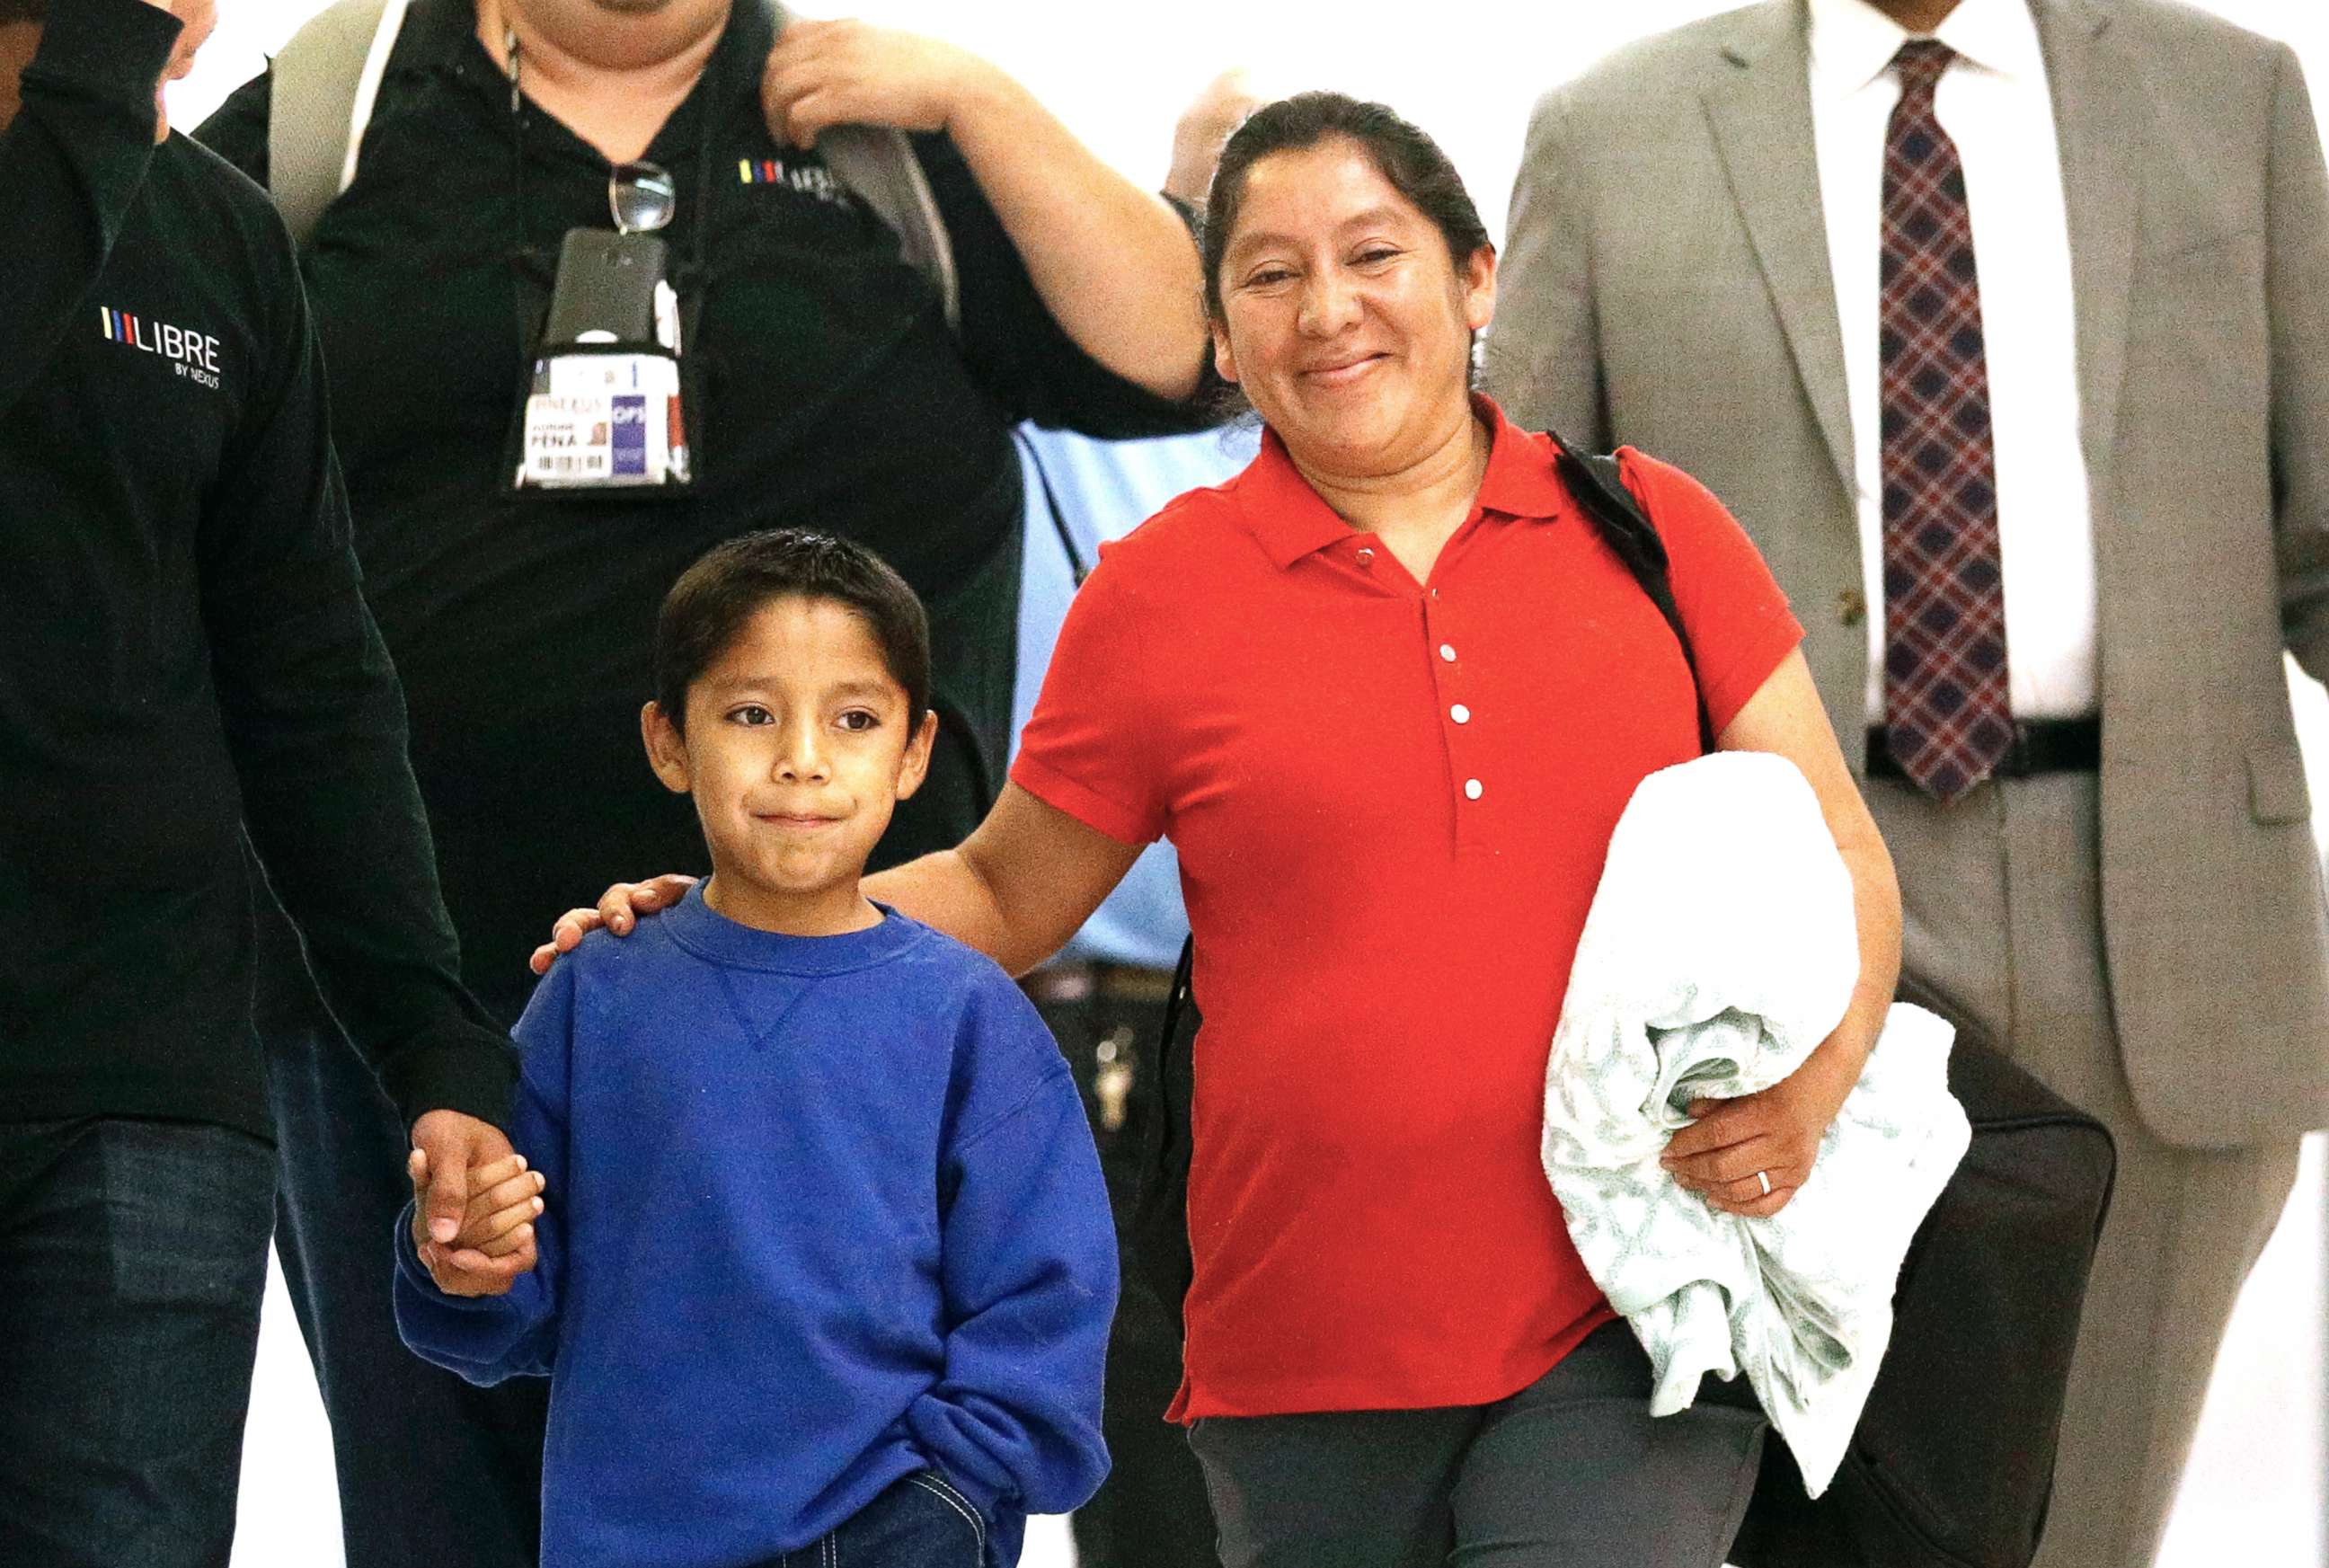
827 1270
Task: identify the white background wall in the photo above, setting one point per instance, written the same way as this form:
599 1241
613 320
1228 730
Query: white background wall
1119 74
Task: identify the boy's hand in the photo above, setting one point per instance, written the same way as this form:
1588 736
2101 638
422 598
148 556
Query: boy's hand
616 907
505 1200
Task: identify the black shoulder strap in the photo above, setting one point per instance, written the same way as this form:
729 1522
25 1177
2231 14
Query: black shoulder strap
1599 486
1156 1236
1158 1233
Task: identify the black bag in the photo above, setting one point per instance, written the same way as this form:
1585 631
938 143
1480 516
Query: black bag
1953 1462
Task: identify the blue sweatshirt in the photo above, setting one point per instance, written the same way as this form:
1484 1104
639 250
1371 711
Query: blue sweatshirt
821 1212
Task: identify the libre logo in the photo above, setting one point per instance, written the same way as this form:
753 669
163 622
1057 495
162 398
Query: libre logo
194 355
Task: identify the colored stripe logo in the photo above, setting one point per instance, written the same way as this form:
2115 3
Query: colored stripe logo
196 353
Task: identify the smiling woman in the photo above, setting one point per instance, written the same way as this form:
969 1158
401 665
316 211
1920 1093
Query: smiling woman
1348 276
1378 1266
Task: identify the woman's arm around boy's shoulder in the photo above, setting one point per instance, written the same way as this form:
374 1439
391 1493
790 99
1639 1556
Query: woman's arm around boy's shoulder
1028 1266
488 1338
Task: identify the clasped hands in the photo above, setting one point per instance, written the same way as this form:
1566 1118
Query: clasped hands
473 1205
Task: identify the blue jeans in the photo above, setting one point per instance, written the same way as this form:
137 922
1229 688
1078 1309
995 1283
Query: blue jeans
133 1257
921 1522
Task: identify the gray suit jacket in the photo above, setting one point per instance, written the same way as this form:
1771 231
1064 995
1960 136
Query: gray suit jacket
1666 284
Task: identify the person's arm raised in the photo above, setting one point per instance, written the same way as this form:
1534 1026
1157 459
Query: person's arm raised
1016 890
1113 263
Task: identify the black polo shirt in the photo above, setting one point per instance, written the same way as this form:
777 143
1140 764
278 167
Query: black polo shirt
186 643
832 394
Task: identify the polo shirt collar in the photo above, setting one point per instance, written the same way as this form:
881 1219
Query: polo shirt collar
1291 520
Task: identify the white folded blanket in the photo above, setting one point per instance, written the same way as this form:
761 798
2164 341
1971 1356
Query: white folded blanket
1719 950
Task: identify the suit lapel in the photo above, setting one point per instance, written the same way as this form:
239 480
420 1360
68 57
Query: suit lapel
1760 108
2101 174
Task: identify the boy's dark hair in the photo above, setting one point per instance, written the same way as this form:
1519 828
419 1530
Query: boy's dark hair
1410 161
709 605
23 11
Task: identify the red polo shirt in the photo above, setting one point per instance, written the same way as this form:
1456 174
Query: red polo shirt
1392 802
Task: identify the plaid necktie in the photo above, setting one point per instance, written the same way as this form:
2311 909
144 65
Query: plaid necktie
1948 717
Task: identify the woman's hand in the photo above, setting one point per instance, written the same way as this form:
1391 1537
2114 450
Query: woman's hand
1776 1133
618 906
829 73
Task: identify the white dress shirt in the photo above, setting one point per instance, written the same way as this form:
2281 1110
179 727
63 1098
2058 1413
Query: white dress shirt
1994 104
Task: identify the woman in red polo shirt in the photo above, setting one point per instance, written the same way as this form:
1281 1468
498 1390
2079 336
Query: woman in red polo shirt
1388 692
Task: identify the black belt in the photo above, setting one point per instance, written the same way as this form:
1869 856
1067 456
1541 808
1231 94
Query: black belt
2039 746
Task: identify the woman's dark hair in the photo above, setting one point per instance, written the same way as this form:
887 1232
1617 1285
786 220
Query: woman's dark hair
707 608
1410 161
23 11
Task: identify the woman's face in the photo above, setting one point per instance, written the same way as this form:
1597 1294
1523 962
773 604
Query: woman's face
1342 316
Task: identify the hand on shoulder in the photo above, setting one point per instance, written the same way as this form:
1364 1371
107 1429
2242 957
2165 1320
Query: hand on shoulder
616 911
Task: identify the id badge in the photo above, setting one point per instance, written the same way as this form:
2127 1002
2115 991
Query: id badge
604 410
604 419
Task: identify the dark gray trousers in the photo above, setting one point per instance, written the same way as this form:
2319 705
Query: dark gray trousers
1570 1472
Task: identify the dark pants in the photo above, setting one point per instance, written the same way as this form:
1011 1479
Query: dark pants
921 1522
423 1458
1570 1472
1151 1512
133 1257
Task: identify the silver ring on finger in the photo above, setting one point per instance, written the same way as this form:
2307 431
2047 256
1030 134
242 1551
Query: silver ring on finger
1764 1176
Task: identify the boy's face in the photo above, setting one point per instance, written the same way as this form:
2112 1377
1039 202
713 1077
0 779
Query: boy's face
798 745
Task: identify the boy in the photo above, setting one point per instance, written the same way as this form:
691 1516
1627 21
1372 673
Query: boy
831 1272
